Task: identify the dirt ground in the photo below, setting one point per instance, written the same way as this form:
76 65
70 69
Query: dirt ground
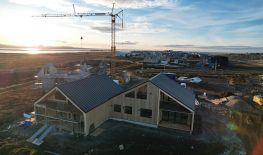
135 140
18 62
17 93
16 102
212 135
215 133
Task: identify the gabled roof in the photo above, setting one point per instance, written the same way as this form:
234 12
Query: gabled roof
90 92
172 88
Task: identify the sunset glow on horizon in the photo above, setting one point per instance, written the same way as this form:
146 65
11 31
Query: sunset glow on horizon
165 24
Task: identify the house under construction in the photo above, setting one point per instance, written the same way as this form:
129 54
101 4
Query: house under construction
83 105
49 76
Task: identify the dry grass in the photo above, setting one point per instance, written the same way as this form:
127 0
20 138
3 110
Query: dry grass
14 103
19 68
28 61
16 147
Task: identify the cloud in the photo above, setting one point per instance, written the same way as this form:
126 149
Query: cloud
134 4
214 48
179 46
60 5
59 41
104 26
193 16
127 43
199 46
144 27
124 4
54 5
132 27
169 21
254 29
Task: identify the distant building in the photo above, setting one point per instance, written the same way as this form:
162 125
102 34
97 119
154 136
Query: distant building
121 54
156 58
82 105
218 61
152 57
164 62
212 61
136 54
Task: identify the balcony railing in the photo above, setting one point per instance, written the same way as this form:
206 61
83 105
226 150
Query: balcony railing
172 106
141 96
61 115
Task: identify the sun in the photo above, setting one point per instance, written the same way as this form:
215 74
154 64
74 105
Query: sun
29 31
32 51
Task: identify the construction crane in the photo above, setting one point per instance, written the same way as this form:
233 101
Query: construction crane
113 28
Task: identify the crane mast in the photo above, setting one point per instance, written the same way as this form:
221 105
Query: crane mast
113 28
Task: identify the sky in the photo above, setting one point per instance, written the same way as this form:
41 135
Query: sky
148 24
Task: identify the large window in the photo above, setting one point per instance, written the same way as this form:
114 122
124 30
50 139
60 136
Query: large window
165 98
61 114
174 117
69 116
59 96
142 92
146 113
181 118
130 94
76 117
165 115
128 110
117 108
40 110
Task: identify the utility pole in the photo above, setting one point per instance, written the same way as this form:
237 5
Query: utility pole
81 41
215 64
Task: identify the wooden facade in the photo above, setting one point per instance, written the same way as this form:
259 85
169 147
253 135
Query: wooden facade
56 109
145 104
97 116
180 117
138 103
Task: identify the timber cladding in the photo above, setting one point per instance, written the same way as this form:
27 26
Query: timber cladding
97 116
139 106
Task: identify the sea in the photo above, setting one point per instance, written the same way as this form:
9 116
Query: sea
123 51
39 51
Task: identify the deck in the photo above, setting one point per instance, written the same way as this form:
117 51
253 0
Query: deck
174 126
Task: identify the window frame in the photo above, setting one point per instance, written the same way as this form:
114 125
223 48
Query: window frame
127 94
140 94
115 106
128 109
145 115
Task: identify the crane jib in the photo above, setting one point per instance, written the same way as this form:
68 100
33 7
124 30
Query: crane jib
113 28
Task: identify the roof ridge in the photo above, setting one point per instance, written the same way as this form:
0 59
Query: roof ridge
155 76
79 80
174 89
91 92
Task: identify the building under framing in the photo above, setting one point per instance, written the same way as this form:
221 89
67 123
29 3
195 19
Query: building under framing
81 106
49 76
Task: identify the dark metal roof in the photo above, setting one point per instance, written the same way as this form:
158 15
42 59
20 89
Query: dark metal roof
134 84
90 92
172 88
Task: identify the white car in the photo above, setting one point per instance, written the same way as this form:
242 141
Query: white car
195 80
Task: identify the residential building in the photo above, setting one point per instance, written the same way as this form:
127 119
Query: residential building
81 106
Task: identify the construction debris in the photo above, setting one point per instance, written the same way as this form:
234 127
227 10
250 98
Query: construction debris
258 99
121 147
